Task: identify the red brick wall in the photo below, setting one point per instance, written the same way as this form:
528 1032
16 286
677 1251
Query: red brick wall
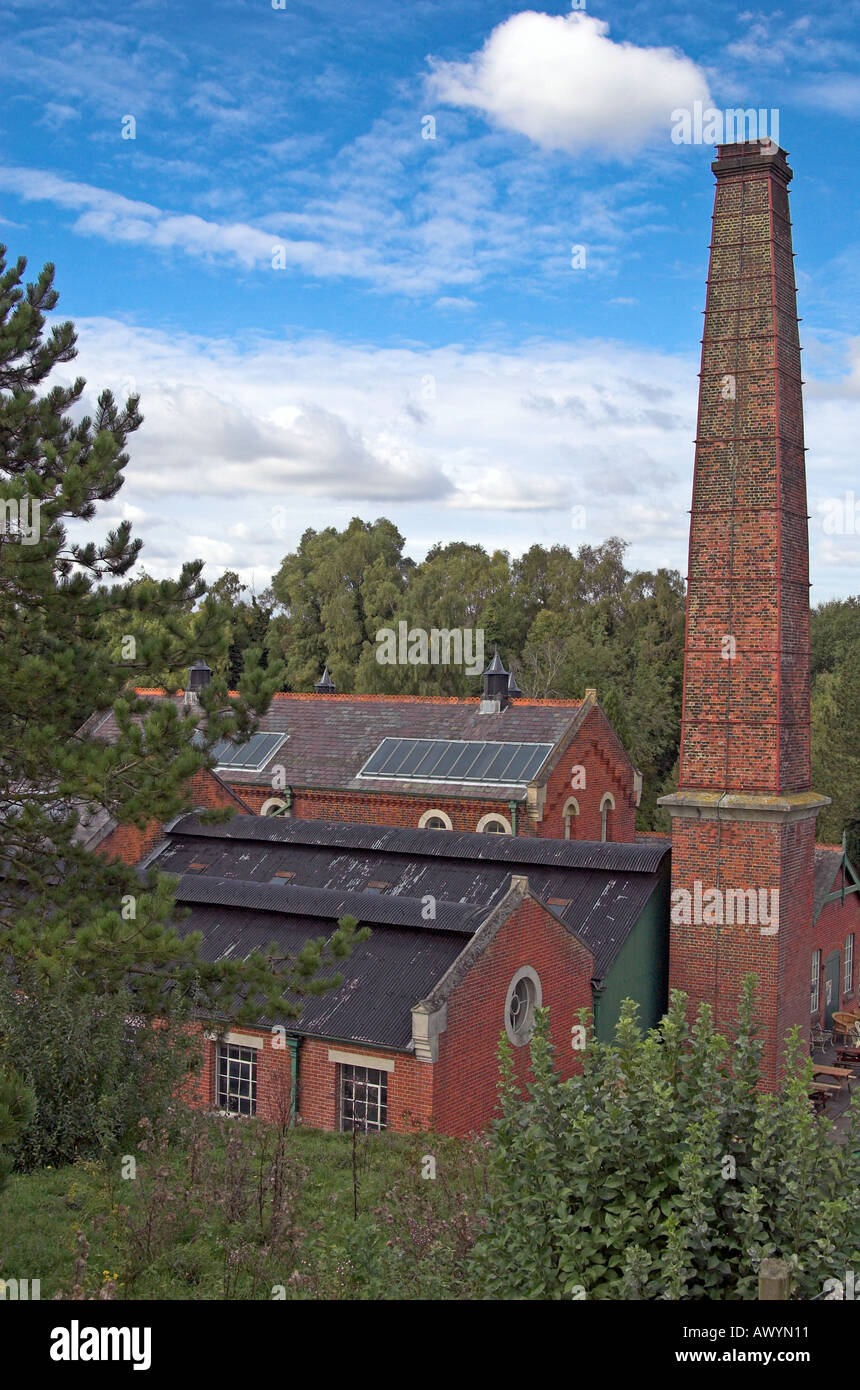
273 1075
594 747
466 1074
709 961
835 922
379 808
130 844
457 1094
410 1086
607 768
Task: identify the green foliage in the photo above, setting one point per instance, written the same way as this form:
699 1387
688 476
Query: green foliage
336 590
92 1072
78 637
836 720
236 1209
17 1108
662 1172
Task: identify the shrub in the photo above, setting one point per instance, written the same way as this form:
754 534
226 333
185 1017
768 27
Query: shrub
663 1172
93 1073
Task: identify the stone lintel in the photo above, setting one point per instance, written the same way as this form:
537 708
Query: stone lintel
744 806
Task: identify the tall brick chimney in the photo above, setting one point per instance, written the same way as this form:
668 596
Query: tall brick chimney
743 818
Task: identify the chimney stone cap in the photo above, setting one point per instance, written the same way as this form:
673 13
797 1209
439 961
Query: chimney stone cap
752 156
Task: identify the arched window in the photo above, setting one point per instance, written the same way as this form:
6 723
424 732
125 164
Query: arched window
570 810
435 820
607 804
273 807
494 824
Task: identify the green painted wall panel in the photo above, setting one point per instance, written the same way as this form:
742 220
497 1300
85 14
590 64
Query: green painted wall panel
641 968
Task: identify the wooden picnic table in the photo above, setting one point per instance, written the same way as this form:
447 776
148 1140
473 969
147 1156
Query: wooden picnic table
819 1092
844 1053
842 1075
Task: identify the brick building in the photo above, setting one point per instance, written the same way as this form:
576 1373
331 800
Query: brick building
835 935
495 764
469 935
353 791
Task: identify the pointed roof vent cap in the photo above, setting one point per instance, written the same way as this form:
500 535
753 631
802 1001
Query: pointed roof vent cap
513 688
495 685
325 685
199 676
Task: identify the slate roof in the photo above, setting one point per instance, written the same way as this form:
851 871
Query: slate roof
828 861
331 737
825 868
596 890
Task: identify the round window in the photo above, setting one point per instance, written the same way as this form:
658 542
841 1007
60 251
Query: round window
523 1000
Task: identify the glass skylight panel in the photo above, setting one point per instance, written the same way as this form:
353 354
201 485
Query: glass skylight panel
539 755
486 756
376 760
452 760
450 752
401 757
504 755
515 768
250 756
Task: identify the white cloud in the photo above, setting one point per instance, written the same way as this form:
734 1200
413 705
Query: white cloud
244 450
560 80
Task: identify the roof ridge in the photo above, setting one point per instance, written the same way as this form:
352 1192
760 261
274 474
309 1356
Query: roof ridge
343 698
301 899
611 856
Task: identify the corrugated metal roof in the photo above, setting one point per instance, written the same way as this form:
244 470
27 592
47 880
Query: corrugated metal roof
299 900
602 888
382 978
637 857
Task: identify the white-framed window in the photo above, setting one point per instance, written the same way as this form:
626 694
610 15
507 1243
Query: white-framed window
494 824
363 1098
569 812
815 982
435 820
607 804
236 1079
848 978
275 806
522 1001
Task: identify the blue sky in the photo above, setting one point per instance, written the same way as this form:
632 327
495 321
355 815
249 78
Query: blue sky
329 314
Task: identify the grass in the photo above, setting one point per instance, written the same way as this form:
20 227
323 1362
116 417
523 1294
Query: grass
210 1227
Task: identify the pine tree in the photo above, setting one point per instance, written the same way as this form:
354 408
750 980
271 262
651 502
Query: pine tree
65 913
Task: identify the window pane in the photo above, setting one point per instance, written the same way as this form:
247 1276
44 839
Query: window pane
485 759
450 753
379 757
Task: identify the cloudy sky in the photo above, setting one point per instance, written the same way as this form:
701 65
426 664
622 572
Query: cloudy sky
441 262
